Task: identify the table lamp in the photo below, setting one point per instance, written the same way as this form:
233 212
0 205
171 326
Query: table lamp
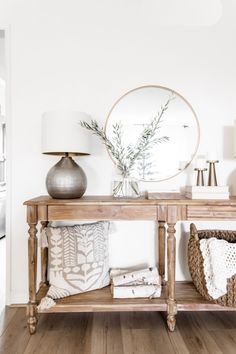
62 135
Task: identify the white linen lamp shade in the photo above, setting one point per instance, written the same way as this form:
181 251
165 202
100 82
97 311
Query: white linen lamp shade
63 135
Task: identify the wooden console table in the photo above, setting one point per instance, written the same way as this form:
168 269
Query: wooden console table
176 296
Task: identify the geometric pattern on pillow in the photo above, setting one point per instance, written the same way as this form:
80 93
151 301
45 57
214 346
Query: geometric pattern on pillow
78 258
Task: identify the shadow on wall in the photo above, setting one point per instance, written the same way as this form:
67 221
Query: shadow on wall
229 154
228 142
182 252
188 172
231 181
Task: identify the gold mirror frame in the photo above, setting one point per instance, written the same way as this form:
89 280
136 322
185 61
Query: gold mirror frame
187 103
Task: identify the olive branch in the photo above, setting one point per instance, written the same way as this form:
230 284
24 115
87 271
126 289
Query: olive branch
126 156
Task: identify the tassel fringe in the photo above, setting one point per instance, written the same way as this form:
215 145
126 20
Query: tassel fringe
46 303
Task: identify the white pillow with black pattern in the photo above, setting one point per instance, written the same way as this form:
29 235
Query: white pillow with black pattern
78 259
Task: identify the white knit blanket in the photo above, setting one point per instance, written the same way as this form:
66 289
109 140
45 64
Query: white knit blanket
219 264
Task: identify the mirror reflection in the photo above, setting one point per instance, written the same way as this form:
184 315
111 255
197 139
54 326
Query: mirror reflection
177 136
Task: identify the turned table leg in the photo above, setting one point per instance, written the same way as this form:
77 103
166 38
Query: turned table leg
171 302
161 248
44 259
32 264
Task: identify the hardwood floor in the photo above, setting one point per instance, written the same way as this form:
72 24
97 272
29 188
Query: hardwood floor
2 270
118 333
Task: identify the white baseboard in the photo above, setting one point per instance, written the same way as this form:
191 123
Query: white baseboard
2 303
18 298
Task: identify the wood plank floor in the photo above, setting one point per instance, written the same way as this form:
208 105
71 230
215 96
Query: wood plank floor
118 333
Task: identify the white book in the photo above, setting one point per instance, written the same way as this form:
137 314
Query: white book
118 271
221 196
207 189
136 291
147 275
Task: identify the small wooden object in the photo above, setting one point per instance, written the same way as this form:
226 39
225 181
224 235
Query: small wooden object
164 195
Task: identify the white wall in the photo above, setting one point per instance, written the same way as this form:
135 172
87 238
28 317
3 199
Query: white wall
2 55
85 54
2 72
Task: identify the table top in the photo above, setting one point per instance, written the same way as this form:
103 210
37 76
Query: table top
110 200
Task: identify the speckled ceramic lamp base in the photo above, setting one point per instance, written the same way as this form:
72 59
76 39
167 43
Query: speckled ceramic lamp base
66 180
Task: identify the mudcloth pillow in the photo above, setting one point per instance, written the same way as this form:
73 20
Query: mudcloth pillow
78 258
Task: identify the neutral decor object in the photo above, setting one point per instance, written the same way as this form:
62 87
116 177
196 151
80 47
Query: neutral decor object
198 262
130 283
212 181
78 260
207 192
125 187
200 167
176 297
149 291
63 135
126 157
200 176
219 264
138 276
164 194
134 111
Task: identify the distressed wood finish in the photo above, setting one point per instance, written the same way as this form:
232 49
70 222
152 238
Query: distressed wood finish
188 299
44 259
109 200
181 298
161 249
171 302
215 212
43 212
32 219
173 213
102 212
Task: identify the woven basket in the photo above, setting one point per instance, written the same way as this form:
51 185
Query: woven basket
195 261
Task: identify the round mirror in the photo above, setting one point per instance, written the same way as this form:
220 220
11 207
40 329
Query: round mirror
162 119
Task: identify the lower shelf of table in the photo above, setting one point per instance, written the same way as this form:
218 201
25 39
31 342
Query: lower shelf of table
188 299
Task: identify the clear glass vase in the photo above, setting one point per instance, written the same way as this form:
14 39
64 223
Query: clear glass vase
125 187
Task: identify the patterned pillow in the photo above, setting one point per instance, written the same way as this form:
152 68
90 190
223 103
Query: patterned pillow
78 258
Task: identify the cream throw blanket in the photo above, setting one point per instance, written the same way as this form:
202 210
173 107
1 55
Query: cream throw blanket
219 264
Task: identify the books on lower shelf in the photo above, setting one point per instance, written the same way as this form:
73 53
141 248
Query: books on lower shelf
207 192
129 283
136 291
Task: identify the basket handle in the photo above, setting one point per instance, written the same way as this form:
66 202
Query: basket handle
193 232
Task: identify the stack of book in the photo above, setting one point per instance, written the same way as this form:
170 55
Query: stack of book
128 283
207 192
163 194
